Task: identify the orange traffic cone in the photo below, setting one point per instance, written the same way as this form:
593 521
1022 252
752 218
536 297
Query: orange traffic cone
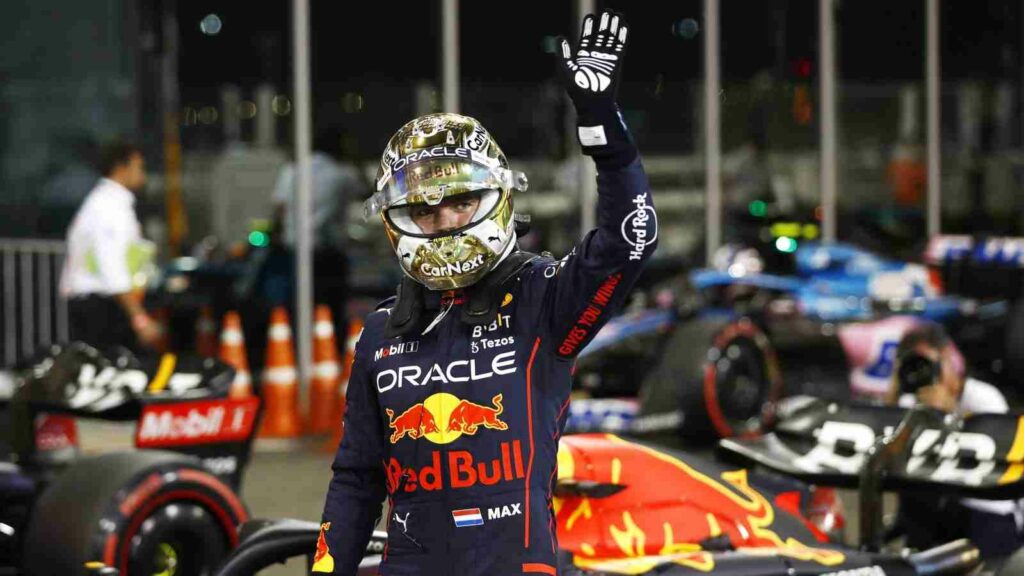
323 392
280 387
206 333
355 328
232 352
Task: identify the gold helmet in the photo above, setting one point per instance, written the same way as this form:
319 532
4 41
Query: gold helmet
428 161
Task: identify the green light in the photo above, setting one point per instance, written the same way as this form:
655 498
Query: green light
258 239
785 244
758 208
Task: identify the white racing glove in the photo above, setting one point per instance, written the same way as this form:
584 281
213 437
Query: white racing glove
592 79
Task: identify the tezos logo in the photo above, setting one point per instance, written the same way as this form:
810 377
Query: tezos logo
396 349
640 227
453 268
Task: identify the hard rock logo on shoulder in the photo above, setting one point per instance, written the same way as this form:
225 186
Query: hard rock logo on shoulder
640 227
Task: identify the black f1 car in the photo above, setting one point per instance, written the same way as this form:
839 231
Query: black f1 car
170 507
726 522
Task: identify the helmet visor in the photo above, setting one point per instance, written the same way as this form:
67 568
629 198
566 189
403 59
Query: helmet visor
432 181
455 212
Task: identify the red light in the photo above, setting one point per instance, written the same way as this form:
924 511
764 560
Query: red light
935 280
819 213
803 67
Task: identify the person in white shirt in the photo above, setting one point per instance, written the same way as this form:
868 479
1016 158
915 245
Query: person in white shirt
105 251
927 372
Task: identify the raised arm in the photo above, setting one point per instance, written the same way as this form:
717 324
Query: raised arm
592 281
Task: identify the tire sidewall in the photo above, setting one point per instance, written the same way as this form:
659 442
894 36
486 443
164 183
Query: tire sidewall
101 502
743 328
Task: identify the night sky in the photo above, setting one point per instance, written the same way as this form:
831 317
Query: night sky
879 40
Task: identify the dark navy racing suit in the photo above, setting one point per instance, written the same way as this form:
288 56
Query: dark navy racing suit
459 427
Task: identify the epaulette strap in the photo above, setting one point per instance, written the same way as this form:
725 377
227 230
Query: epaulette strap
386 304
408 308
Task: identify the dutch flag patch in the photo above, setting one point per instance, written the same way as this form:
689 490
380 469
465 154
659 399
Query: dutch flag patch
467 517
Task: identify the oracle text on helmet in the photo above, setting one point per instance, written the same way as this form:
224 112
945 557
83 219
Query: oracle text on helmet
435 152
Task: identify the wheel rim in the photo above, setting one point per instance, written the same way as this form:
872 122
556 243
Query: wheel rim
741 383
165 561
180 539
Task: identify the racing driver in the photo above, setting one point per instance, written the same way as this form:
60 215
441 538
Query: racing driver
460 383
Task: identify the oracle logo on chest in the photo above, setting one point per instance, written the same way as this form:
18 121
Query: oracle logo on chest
454 371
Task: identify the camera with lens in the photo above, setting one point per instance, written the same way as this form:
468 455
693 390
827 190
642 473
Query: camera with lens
915 372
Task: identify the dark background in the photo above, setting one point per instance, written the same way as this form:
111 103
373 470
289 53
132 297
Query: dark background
878 39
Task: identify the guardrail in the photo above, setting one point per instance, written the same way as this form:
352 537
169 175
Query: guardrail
32 313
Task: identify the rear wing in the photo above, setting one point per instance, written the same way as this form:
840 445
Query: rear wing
979 267
981 456
79 380
179 403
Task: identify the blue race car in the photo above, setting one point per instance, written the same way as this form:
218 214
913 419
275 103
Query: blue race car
715 352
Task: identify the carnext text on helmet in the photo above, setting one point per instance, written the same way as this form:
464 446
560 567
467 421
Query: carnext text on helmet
453 268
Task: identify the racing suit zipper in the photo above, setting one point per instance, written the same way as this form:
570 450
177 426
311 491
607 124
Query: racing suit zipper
445 338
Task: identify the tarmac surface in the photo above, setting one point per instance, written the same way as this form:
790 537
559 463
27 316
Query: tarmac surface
288 481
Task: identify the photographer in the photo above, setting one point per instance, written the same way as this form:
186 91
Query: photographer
929 372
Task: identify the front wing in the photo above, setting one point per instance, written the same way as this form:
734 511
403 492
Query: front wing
267 542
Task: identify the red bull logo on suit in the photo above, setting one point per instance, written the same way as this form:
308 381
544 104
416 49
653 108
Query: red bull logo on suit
463 470
442 418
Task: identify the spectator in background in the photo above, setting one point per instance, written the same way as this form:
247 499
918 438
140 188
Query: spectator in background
907 174
335 183
105 252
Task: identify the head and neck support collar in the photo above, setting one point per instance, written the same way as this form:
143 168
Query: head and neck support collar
482 299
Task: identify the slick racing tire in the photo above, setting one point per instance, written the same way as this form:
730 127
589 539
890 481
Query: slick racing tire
724 377
145 513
